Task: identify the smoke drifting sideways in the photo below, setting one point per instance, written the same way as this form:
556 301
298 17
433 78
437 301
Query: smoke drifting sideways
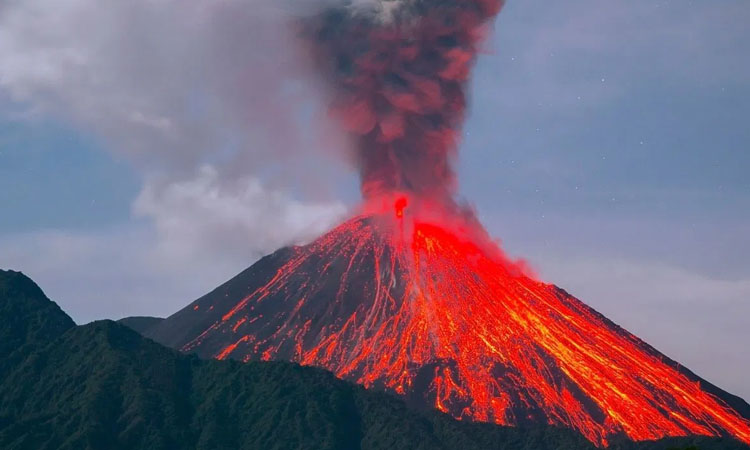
209 104
181 88
174 85
398 72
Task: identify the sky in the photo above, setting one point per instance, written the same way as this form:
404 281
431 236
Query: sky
150 151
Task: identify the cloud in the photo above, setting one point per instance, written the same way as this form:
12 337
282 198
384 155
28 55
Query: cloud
172 84
205 231
240 220
208 102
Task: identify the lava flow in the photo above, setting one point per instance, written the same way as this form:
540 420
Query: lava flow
438 315
410 295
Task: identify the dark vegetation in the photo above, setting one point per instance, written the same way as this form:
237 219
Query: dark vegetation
103 386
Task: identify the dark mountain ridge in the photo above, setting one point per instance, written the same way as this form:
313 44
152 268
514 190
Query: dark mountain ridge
103 386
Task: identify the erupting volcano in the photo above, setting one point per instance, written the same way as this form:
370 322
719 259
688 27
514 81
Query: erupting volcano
411 295
435 313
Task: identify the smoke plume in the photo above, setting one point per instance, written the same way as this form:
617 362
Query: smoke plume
398 72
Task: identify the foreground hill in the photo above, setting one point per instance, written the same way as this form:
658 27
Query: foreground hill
103 386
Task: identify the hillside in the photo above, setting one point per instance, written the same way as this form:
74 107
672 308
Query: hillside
103 386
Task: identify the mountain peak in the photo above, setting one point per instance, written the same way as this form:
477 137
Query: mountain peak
28 315
433 313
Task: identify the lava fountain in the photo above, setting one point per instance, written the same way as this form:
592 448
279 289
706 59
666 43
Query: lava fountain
411 295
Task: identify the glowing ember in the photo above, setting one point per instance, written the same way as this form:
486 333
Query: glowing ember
399 206
441 317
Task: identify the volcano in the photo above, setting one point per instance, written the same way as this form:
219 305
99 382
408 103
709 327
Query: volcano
401 300
410 295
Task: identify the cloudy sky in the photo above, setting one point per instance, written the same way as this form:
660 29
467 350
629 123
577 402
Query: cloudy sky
150 150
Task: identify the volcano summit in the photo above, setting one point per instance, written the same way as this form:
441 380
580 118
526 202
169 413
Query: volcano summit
410 295
398 301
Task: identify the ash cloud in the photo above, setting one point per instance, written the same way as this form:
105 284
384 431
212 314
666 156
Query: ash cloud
171 84
175 85
398 74
213 104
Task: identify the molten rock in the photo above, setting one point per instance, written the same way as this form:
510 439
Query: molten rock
400 301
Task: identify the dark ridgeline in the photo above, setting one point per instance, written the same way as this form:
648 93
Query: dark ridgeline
102 386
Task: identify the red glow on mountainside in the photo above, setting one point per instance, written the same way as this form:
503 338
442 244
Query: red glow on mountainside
411 295
436 313
399 206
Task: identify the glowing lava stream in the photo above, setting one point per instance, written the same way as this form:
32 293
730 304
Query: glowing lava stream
438 314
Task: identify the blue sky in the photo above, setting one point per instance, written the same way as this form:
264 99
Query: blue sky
607 144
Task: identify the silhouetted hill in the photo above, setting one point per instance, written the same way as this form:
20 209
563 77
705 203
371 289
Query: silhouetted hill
103 386
140 324
26 316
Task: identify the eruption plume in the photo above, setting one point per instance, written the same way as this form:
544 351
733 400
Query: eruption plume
398 71
410 295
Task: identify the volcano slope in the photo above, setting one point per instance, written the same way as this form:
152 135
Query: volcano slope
426 312
101 386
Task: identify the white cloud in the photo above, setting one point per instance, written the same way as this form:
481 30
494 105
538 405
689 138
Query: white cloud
205 232
204 99
239 219
172 84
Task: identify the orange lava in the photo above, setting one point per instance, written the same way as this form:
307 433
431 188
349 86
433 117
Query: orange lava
435 311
